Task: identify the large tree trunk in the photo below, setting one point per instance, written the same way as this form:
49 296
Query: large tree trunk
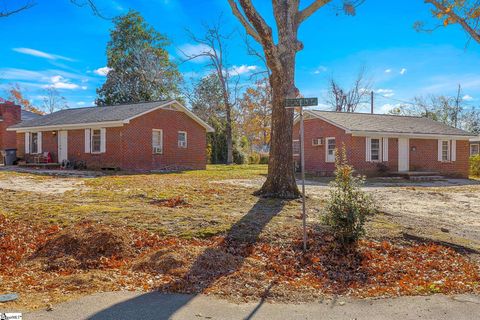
280 181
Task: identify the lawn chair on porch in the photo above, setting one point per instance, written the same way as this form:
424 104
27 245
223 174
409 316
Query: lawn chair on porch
44 157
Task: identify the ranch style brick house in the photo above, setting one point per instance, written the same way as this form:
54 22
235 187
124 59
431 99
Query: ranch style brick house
377 143
142 136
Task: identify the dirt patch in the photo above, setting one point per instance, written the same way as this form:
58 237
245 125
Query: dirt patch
41 185
84 246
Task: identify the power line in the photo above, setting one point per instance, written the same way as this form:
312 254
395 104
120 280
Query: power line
394 99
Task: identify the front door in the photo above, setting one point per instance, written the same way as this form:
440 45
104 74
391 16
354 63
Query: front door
403 154
62 146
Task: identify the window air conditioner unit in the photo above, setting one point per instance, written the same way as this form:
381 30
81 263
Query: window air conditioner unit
157 150
317 142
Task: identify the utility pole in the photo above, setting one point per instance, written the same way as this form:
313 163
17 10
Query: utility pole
371 102
457 106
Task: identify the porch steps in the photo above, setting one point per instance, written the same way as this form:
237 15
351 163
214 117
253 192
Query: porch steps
419 175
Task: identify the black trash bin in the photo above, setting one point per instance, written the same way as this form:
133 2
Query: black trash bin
10 156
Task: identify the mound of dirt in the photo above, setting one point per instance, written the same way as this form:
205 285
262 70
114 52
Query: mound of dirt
84 246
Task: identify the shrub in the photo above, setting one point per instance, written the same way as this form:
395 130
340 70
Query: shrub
264 158
348 205
475 165
254 158
239 156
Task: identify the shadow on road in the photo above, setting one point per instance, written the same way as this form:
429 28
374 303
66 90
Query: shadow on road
238 240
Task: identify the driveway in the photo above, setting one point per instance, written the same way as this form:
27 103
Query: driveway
150 306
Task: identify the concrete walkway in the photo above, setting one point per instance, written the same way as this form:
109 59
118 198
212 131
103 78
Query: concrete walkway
149 306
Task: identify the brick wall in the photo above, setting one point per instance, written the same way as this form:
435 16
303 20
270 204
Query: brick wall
423 159
130 147
11 114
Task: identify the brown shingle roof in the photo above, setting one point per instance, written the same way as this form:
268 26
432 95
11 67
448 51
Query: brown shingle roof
381 123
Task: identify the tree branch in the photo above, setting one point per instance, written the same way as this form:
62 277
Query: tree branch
471 31
308 11
248 27
92 5
6 13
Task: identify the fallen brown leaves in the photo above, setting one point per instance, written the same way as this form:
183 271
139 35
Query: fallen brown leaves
49 264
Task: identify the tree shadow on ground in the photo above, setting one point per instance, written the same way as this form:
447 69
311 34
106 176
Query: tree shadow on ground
213 263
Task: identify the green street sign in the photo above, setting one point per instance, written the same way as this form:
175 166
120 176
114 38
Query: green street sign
301 102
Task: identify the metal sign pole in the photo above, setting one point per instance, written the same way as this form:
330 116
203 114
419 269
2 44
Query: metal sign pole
302 156
295 103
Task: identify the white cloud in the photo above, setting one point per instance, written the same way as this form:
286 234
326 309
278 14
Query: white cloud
41 54
80 103
386 92
59 82
388 70
189 50
242 69
102 71
403 71
320 69
467 97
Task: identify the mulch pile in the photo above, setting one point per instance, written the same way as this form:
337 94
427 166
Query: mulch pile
88 257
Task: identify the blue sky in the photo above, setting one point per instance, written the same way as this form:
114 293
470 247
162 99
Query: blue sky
58 44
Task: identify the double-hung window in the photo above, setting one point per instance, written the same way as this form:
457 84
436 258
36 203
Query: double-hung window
445 150
182 139
375 149
474 149
157 141
96 140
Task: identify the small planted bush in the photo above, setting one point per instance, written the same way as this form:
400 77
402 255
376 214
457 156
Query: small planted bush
475 165
348 206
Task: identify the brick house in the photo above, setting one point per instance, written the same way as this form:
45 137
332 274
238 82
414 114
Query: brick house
142 136
11 114
376 144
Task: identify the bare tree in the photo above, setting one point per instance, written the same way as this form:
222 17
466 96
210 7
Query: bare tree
8 12
280 57
214 49
343 100
53 101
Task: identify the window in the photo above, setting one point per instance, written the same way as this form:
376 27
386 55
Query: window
96 140
375 149
474 149
331 147
157 141
182 139
296 147
446 150
34 142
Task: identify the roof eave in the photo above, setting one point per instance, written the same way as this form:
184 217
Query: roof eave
105 124
411 135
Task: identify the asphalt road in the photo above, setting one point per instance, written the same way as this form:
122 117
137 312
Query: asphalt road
149 306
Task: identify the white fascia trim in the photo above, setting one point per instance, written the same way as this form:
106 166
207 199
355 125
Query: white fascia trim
476 139
108 124
182 109
408 135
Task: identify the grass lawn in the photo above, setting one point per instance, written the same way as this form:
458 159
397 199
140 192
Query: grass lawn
199 231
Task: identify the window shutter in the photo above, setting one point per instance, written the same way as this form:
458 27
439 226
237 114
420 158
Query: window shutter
103 141
368 149
87 141
39 142
27 142
385 149
454 150
440 150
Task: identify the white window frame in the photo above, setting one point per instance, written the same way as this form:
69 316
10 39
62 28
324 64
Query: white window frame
178 140
379 149
327 155
30 142
100 140
474 145
293 146
449 150
160 146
